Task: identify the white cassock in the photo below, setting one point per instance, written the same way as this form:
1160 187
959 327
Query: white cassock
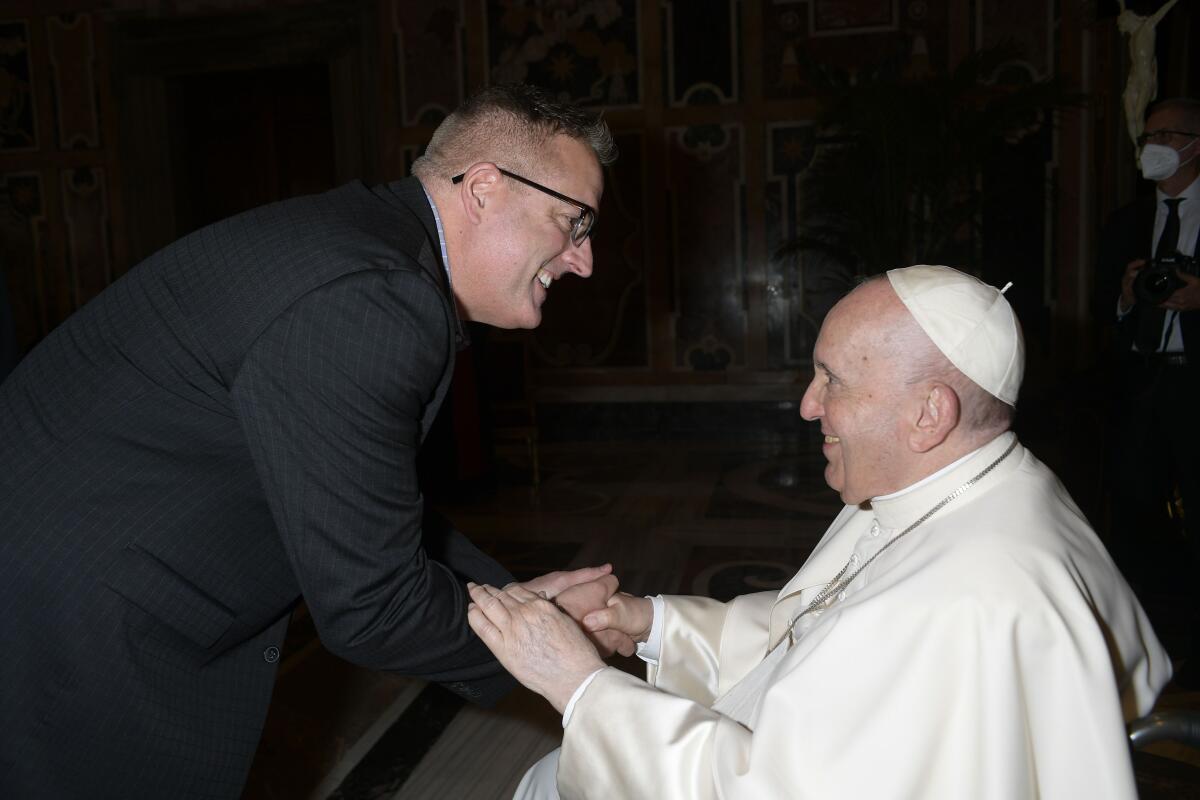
993 652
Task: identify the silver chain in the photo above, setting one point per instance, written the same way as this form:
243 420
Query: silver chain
835 586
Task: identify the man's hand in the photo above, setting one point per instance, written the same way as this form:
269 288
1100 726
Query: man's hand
552 584
632 616
585 597
542 647
1128 298
1186 297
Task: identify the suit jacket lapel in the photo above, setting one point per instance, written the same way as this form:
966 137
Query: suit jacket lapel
1187 320
1141 246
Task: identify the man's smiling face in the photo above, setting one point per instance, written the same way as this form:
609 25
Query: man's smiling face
526 245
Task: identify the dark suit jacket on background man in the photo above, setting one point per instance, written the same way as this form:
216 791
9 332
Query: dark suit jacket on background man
1126 237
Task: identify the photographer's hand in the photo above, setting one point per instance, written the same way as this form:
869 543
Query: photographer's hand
1186 297
1128 298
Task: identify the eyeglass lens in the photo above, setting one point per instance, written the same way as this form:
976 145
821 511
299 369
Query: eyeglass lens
582 227
1162 136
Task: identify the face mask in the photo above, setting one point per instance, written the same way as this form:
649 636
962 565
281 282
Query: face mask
1159 162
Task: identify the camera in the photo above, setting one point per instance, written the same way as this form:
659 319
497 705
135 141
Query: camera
1157 281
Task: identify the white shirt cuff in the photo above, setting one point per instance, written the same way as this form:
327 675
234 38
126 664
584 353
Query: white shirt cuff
648 650
570 709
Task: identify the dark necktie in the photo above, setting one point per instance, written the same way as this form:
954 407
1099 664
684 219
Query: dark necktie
1150 318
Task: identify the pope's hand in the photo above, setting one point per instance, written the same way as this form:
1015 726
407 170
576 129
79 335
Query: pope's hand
632 616
541 646
583 598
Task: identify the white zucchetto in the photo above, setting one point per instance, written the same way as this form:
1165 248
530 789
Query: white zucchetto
970 322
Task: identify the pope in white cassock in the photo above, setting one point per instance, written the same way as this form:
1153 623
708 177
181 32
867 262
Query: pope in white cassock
959 631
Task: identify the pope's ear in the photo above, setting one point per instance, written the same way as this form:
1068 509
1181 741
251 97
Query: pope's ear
939 414
478 187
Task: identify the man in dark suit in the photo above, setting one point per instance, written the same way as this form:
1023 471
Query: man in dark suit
1157 443
232 427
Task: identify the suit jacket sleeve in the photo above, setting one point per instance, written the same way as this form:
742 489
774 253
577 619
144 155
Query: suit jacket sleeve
331 398
1124 237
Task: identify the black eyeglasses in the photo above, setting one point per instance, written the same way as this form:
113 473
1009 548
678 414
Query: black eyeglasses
1162 136
581 226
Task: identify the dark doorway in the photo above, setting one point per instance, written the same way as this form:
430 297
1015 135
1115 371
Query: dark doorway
240 139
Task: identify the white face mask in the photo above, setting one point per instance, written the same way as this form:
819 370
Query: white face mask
1159 162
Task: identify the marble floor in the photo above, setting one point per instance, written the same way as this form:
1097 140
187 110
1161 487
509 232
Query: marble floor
711 518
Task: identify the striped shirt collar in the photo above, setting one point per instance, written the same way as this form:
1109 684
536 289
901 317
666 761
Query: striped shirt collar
464 338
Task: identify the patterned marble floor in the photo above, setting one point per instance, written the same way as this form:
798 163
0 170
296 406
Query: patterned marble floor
716 519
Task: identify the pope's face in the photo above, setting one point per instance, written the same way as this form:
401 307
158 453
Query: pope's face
527 246
857 395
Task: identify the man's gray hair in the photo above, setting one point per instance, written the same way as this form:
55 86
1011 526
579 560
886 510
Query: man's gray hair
1187 106
509 125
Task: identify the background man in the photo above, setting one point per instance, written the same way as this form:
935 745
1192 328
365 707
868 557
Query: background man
958 632
1156 445
233 425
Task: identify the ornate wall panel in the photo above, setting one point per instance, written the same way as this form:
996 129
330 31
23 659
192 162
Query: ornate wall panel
810 44
702 51
171 7
790 150
23 241
429 59
613 332
845 17
1024 165
707 234
85 213
1025 25
72 62
810 265
586 51
18 122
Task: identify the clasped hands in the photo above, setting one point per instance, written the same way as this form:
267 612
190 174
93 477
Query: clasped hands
551 632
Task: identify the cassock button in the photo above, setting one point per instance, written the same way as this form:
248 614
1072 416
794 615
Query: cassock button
271 654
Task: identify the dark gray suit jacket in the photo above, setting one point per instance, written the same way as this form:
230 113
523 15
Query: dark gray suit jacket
230 426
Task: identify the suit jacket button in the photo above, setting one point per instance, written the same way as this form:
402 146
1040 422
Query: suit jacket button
271 654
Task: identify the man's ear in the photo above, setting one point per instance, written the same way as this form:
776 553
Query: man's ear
940 410
479 187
